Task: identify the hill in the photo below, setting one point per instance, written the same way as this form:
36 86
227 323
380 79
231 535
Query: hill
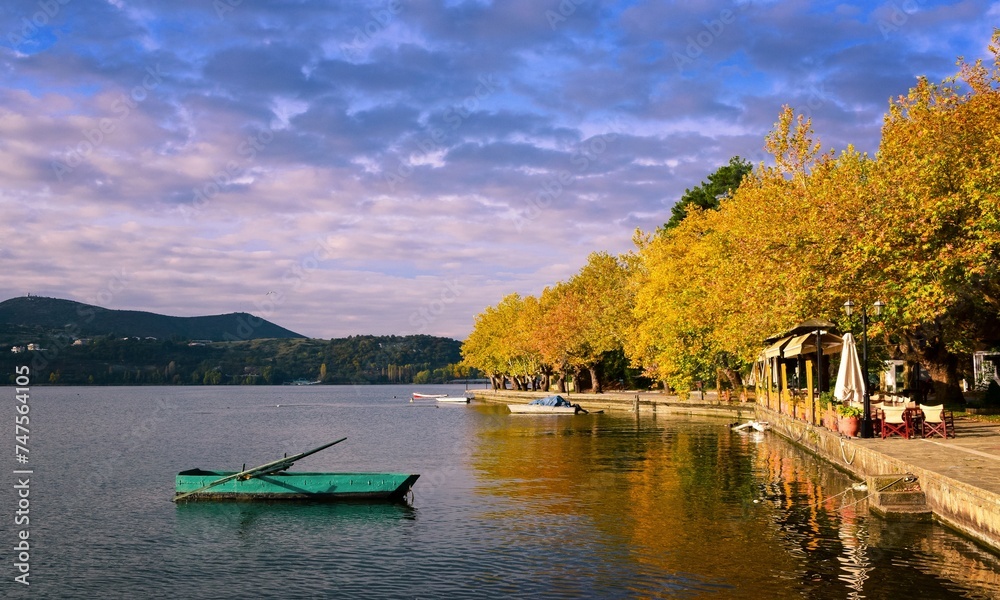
111 360
29 317
133 348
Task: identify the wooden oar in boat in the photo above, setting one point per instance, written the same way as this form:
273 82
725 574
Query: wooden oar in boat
272 467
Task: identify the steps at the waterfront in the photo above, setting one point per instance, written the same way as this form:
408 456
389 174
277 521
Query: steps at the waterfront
898 497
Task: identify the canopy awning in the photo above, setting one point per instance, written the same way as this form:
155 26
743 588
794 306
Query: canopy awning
807 326
775 348
806 344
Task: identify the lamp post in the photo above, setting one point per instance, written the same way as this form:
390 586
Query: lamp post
867 428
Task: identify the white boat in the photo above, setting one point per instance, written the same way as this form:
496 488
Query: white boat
416 396
755 425
462 399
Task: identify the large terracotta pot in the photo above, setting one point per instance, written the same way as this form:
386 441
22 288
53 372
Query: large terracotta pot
850 426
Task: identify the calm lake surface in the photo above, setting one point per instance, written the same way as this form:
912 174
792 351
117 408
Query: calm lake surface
596 506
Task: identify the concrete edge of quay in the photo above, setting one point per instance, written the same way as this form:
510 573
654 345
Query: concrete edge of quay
971 511
645 402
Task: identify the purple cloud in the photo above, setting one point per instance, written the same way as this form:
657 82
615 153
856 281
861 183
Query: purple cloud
395 166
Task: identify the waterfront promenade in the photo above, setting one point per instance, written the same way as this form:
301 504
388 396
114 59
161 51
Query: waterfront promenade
696 403
972 457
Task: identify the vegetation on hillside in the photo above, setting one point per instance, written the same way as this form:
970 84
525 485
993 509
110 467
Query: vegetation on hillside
109 360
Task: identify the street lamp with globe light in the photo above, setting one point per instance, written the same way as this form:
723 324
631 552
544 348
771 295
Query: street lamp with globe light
867 428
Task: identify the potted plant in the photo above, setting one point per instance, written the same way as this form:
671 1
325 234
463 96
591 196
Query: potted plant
850 419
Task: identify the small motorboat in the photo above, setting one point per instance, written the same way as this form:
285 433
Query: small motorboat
460 399
416 396
755 425
549 405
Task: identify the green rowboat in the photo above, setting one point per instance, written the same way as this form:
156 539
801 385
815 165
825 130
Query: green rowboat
295 486
272 481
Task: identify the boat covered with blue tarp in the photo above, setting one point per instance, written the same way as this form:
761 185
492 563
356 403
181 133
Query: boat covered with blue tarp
555 400
549 405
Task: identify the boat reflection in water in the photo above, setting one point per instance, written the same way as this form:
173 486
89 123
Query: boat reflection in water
214 532
671 506
224 515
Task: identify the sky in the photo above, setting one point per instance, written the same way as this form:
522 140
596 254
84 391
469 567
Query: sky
396 166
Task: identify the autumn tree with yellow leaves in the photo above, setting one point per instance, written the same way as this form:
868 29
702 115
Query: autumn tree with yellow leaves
917 226
569 330
933 235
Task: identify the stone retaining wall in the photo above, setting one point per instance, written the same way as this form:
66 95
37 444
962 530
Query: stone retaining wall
973 511
628 402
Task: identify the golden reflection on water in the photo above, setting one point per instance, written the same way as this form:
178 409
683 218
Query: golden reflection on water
686 505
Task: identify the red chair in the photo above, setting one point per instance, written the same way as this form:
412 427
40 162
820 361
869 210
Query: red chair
876 412
938 421
893 422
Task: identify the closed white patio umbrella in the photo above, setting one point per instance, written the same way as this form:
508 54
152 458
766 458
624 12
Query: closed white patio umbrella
850 380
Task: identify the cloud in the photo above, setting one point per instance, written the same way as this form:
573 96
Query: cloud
395 166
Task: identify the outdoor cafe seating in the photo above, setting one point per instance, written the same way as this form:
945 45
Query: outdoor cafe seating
890 399
911 420
876 411
893 421
937 421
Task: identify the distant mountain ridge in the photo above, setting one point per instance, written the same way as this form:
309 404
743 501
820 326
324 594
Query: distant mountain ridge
84 320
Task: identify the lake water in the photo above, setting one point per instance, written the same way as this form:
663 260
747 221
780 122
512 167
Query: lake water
596 506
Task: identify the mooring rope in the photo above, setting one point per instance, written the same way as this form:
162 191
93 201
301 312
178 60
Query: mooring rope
853 488
844 454
825 500
904 477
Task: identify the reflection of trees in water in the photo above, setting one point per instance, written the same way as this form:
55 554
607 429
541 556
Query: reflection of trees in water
798 489
667 506
661 497
828 526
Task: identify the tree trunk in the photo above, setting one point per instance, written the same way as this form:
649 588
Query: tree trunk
941 364
595 383
561 383
735 379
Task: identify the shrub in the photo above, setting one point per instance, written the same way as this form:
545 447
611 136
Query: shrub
846 410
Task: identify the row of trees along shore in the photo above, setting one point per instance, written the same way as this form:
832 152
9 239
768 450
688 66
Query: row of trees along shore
916 226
